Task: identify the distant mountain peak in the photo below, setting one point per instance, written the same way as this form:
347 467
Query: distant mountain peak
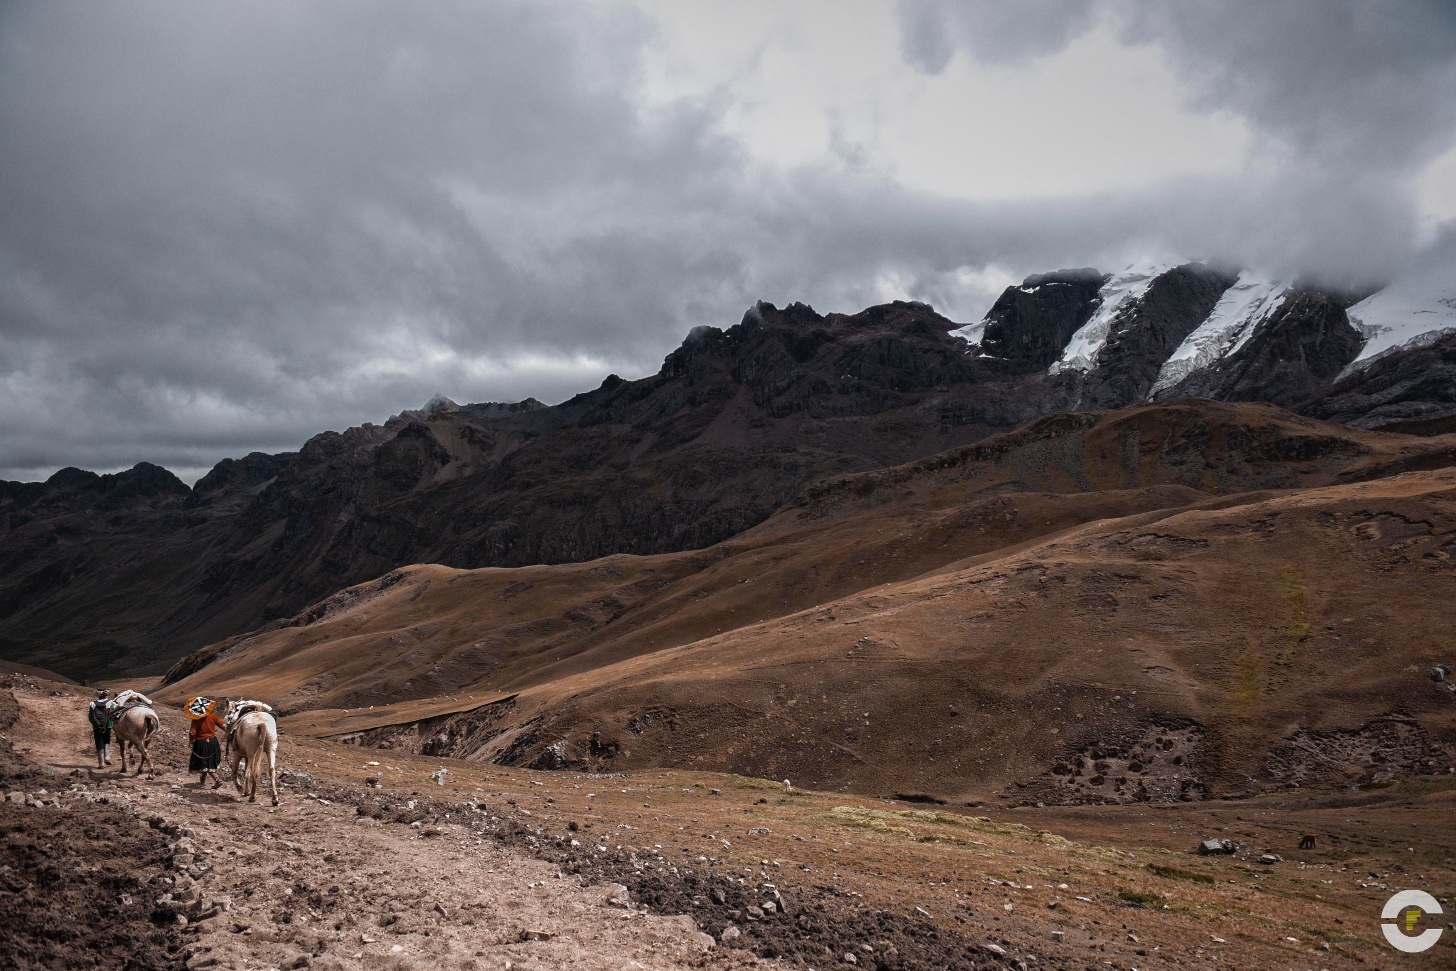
439 404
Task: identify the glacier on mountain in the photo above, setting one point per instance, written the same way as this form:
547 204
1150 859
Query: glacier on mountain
1409 312
1123 290
1240 310
972 334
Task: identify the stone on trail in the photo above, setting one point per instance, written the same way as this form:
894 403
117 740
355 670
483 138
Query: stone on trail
616 895
729 934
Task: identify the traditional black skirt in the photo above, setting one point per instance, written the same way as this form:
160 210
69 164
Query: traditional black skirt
206 754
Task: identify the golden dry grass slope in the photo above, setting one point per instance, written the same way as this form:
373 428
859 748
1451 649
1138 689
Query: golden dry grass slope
1160 603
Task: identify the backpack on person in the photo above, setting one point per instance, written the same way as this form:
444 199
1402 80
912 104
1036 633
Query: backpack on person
99 715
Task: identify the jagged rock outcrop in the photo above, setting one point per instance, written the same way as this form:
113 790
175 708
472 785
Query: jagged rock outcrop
1413 391
1029 325
143 485
236 477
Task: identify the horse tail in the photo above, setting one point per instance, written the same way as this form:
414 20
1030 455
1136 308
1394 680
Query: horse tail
150 725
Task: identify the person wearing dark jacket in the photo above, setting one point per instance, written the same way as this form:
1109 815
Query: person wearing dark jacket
99 715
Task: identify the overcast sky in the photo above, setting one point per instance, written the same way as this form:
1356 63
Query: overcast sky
226 226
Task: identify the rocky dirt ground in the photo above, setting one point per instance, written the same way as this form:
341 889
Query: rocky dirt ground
369 862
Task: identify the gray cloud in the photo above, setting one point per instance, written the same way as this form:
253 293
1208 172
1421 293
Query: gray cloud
988 30
227 227
1347 99
1346 83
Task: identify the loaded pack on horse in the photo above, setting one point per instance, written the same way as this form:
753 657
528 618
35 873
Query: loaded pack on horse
252 735
134 722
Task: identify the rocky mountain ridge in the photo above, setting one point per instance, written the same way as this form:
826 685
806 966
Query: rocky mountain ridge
1157 333
131 571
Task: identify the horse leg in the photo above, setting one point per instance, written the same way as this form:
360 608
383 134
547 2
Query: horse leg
273 770
255 766
121 753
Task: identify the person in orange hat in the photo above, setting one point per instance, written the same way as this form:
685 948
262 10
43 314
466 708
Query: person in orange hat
206 753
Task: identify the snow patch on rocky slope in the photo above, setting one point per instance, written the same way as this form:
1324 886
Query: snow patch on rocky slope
1120 292
1227 328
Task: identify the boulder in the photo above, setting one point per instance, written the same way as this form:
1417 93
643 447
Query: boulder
1217 847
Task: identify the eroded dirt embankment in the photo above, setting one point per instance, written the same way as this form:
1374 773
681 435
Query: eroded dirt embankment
76 872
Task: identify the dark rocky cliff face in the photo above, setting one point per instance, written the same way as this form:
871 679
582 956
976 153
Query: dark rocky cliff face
1029 325
1413 391
1289 359
128 572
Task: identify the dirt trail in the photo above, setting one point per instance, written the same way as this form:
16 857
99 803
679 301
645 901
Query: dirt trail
313 884
369 864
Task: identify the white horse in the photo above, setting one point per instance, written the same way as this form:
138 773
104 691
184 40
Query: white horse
253 737
136 724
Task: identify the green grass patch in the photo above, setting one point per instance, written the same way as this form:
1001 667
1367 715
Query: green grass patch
1140 898
1292 587
1248 683
1173 873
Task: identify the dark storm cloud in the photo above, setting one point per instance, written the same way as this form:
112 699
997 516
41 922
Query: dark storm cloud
229 226
1359 82
244 222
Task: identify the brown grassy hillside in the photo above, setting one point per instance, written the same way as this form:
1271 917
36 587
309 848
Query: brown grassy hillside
1160 603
